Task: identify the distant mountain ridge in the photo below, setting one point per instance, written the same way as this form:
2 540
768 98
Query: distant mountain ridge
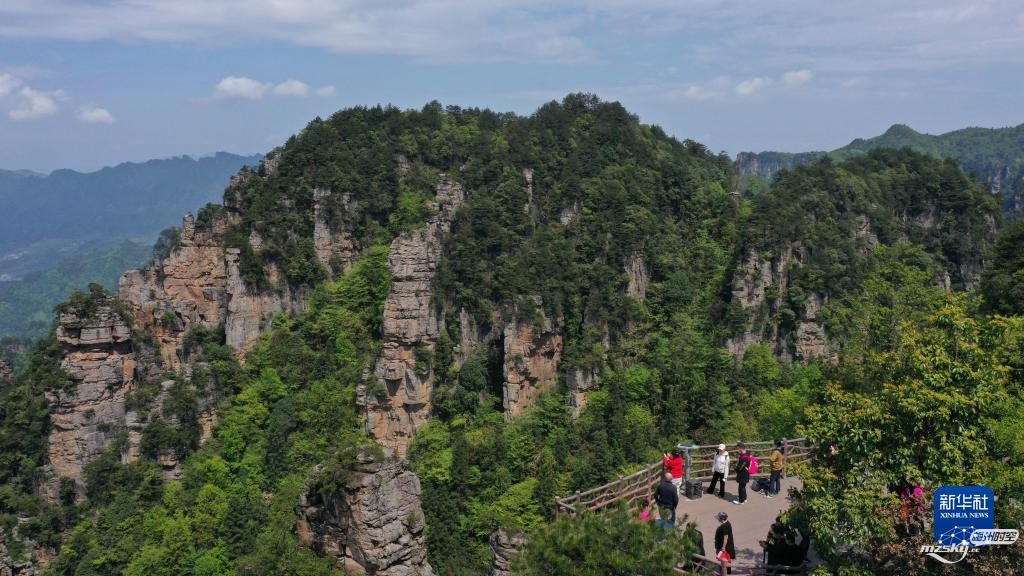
63 230
993 155
48 218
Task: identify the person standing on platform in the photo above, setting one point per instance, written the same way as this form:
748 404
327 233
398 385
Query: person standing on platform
667 496
720 471
778 463
742 475
674 465
725 547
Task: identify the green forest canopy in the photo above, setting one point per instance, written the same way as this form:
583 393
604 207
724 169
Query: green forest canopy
631 189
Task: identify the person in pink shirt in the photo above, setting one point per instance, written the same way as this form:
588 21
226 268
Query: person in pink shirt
647 514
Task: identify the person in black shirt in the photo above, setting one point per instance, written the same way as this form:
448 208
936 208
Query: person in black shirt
742 475
667 496
793 554
723 536
775 546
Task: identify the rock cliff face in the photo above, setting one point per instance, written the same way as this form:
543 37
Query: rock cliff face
1013 199
397 399
23 564
372 524
249 312
579 381
199 284
766 165
188 288
504 548
759 284
335 247
639 277
89 413
6 372
533 352
967 273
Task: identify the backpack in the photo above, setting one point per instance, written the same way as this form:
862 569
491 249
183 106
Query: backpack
739 464
753 464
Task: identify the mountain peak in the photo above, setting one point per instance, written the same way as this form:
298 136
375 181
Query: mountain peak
901 130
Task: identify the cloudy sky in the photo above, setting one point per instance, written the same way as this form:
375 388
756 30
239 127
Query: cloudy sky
95 82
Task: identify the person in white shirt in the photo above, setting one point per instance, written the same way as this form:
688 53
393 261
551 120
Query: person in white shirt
720 469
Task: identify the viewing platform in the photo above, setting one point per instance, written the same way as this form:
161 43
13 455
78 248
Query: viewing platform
750 521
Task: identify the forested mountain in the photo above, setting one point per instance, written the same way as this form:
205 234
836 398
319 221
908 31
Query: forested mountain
992 155
406 331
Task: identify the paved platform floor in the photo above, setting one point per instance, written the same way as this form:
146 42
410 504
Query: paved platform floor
750 521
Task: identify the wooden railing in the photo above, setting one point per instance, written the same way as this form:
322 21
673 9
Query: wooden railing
700 459
633 488
711 567
639 486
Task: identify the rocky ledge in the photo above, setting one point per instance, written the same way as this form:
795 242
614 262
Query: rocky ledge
372 523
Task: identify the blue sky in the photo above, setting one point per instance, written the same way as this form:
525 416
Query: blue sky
92 83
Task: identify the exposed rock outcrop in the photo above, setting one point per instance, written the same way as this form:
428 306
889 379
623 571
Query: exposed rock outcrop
528 176
188 288
533 351
371 524
30 559
766 165
760 283
568 214
865 233
579 381
504 549
200 284
811 340
471 337
751 283
250 312
335 247
639 277
6 372
397 399
89 413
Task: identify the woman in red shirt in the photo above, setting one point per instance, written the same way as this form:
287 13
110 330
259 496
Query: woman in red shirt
674 464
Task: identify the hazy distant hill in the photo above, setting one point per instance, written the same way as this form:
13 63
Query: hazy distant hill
993 155
47 219
61 231
26 305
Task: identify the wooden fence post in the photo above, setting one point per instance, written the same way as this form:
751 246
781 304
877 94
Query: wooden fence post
785 453
687 462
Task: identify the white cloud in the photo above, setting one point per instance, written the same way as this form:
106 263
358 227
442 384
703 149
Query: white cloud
854 82
34 104
89 114
450 30
8 84
855 37
240 87
245 88
291 87
797 77
748 87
